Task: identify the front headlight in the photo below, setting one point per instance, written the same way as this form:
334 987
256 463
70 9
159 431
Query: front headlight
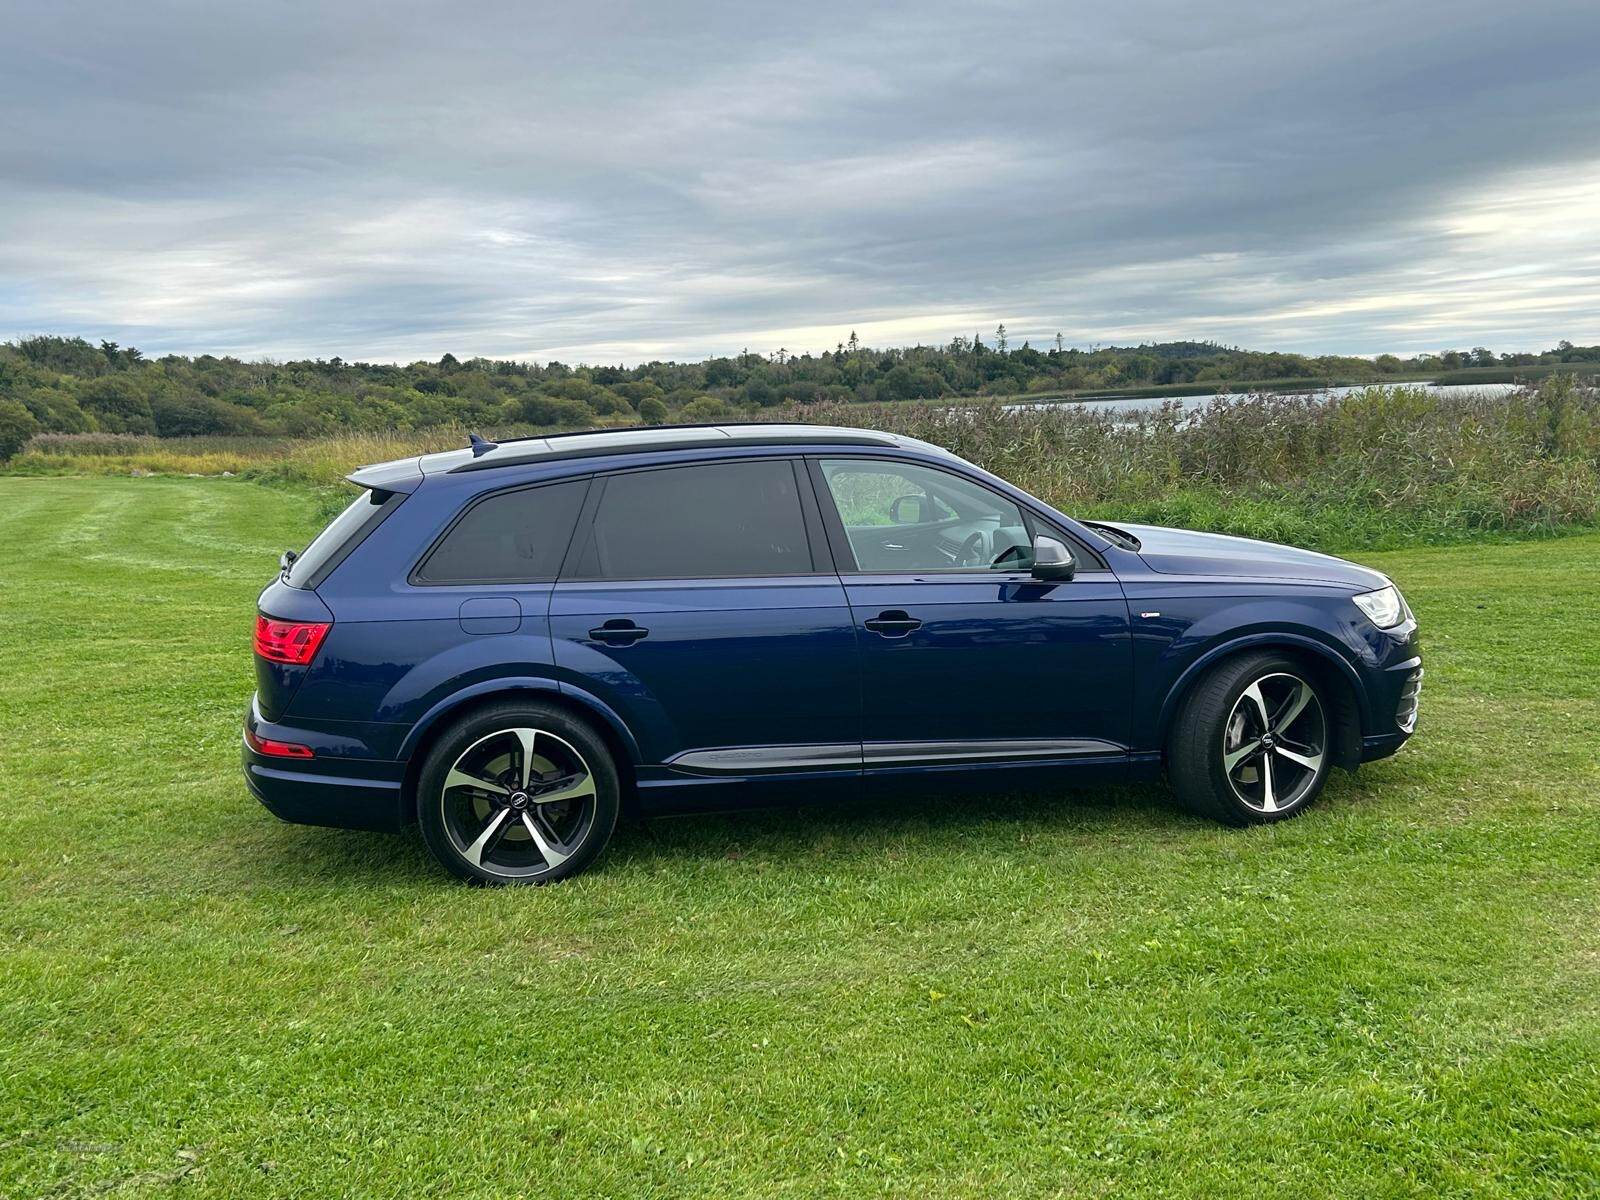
1384 607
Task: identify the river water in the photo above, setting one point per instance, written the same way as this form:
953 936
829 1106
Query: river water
1190 403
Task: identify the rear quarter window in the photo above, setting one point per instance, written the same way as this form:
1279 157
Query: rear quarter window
509 537
343 534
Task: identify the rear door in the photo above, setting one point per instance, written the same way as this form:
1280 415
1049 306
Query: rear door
965 658
700 603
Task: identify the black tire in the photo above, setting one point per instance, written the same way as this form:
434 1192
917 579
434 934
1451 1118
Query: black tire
1269 784
518 837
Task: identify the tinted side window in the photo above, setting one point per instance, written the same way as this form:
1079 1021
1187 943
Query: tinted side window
512 537
713 519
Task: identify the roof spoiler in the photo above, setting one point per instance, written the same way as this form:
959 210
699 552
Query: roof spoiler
402 475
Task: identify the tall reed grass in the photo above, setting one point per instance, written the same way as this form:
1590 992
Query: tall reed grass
1380 467
1383 466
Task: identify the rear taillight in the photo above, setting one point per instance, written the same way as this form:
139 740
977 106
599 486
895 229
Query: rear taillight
276 749
292 642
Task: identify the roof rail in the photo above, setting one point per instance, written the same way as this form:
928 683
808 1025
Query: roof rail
507 456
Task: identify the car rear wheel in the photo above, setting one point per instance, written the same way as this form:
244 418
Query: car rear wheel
1252 742
518 793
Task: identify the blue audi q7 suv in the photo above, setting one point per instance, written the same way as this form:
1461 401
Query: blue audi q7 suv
510 644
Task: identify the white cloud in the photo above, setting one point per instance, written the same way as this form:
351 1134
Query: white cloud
894 180
627 182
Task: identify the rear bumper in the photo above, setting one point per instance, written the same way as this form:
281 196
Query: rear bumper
346 793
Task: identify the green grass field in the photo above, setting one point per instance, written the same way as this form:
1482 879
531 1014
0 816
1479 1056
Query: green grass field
1081 994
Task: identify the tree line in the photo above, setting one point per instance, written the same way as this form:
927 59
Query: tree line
67 384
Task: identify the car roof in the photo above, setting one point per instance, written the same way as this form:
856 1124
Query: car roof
555 447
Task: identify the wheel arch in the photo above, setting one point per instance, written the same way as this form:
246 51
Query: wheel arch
1332 669
580 704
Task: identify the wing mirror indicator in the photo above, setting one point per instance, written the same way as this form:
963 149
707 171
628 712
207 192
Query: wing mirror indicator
1052 561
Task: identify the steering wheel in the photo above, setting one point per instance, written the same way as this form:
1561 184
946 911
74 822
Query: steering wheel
974 551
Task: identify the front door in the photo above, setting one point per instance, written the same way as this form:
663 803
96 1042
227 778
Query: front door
965 659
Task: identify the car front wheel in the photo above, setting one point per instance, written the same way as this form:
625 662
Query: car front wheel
1252 742
517 793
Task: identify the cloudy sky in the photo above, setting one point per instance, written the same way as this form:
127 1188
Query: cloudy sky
614 182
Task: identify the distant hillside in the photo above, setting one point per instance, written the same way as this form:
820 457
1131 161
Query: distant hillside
68 385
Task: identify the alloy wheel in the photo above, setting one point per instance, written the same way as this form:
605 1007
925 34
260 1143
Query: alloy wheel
518 803
1274 743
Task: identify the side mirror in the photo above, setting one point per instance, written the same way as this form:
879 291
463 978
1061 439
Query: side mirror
917 503
1052 561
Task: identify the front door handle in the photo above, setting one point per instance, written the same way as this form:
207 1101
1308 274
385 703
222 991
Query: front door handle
893 623
619 632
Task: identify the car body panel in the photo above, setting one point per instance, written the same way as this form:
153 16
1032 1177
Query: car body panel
1182 625
394 671
350 783
725 663
1188 553
996 658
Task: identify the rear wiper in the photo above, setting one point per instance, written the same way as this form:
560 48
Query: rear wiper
1120 536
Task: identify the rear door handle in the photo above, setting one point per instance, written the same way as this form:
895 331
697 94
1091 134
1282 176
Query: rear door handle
893 623
619 632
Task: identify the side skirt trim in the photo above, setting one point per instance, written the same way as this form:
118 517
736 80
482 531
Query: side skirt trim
748 760
901 753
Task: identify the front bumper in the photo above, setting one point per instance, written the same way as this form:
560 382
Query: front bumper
328 789
1395 702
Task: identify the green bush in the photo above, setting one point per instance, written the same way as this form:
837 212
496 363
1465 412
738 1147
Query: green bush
652 411
117 404
56 410
17 425
539 409
706 408
636 393
594 398
188 415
